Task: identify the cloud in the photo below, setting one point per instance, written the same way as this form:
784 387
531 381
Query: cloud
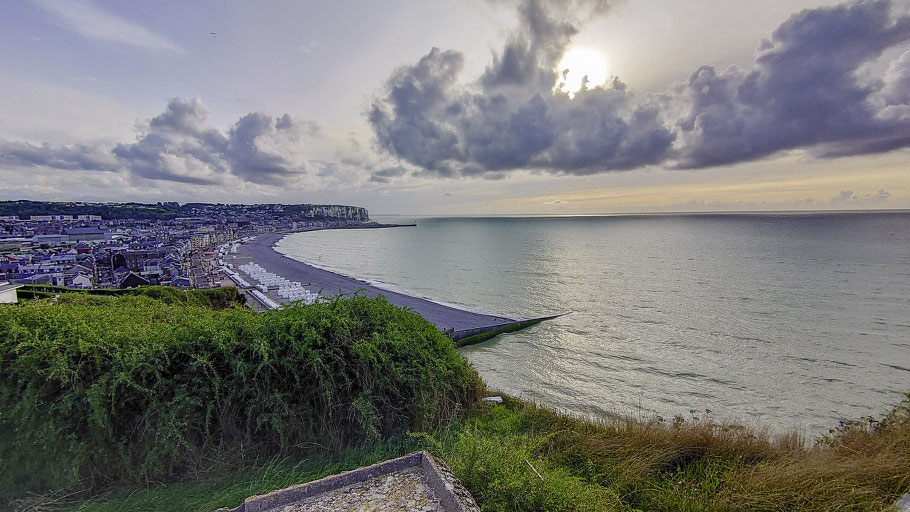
808 88
804 90
178 145
73 157
847 196
307 48
384 175
511 117
95 23
263 149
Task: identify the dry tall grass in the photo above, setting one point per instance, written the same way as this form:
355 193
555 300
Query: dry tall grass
680 465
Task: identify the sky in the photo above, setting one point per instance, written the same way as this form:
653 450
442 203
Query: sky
451 108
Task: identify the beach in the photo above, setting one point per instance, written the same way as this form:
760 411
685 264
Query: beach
446 318
670 313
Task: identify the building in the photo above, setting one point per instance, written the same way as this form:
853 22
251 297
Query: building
132 280
49 239
137 260
8 293
83 281
86 234
50 218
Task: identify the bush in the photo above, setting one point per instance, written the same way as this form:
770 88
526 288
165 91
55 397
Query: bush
97 389
216 298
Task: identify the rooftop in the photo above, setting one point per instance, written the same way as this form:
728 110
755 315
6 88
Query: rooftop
85 231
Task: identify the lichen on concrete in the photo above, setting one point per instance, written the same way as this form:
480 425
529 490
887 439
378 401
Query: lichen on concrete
403 490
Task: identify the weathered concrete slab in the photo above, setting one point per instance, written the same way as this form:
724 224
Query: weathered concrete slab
414 482
904 504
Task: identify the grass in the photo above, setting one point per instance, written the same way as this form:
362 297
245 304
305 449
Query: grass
138 403
620 465
226 488
684 465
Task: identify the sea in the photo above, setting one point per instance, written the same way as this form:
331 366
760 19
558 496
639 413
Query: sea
778 320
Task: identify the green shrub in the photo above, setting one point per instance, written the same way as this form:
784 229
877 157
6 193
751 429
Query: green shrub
216 298
98 389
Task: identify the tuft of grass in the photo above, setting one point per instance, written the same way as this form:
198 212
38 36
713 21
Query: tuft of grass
228 488
632 465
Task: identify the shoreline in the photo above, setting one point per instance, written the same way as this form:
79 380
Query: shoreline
458 324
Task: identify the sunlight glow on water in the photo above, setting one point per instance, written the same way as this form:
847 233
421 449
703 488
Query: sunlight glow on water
789 321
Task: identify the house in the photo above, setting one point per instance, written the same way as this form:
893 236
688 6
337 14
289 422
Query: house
8 266
132 280
136 260
78 276
8 293
53 278
63 258
181 282
82 248
81 281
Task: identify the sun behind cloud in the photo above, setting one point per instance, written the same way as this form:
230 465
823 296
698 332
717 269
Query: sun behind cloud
580 62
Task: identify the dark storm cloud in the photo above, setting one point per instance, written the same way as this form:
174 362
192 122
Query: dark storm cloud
178 145
807 88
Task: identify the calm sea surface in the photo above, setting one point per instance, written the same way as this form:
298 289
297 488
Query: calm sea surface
788 321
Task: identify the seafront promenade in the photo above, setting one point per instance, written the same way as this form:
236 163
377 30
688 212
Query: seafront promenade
446 318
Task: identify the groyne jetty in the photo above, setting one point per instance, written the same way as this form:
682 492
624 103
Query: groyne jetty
464 327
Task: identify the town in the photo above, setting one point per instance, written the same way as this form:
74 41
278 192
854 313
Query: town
122 245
